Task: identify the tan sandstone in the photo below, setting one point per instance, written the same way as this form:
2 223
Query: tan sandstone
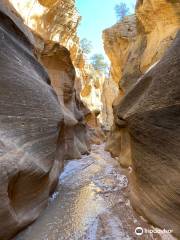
146 134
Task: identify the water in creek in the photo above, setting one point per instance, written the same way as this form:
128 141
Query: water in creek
91 203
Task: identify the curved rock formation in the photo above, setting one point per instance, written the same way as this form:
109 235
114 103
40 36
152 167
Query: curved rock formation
57 61
146 131
47 3
58 21
38 129
117 41
133 46
151 115
30 124
140 40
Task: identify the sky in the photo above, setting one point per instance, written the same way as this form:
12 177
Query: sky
98 15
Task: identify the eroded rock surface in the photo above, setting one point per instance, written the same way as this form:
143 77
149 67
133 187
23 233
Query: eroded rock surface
52 20
140 40
57 61
38 129
146 133
151 111
58 21
133 46
30 122
117 41
110 91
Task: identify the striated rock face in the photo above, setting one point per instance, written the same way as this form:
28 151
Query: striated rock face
38 129
150 112
133 46
55 23
140 40
146 134
58 21
57 61
160 21
117 41
52 21
97 92
92 86
30 128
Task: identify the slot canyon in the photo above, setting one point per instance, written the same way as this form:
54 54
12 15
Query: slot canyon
84 154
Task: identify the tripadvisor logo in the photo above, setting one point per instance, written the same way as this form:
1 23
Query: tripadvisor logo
139 231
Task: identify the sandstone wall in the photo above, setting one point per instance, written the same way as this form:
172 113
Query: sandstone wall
38 129
30 124
57 61
52 20
58 21
146 132
117 41
110 91
134 45
150 114
140 40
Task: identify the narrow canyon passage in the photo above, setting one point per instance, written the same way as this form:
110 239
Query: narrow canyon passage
70 99
91 202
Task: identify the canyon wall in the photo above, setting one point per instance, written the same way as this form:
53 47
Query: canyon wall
144 51
140 40
53 20
54 25
39 128
58 21
110 91
30 126
57 61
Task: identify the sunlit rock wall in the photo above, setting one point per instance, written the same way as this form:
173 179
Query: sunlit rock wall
135 44
58 21
146 132
52 20
110 91
90 84
140 40
117 41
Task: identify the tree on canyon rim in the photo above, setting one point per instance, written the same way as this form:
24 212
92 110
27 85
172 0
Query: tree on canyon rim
121 11
98 62
86 46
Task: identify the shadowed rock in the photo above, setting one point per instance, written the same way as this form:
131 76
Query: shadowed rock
146 128
30 122
151 110
56 59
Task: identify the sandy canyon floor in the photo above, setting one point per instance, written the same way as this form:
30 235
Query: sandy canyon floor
91 203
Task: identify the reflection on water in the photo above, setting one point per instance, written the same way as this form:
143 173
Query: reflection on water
91 203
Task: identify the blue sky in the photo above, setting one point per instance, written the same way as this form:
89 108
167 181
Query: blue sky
98 15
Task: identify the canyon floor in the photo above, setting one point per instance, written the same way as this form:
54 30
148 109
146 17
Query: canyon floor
91 203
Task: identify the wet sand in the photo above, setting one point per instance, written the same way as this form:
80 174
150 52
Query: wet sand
91 203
